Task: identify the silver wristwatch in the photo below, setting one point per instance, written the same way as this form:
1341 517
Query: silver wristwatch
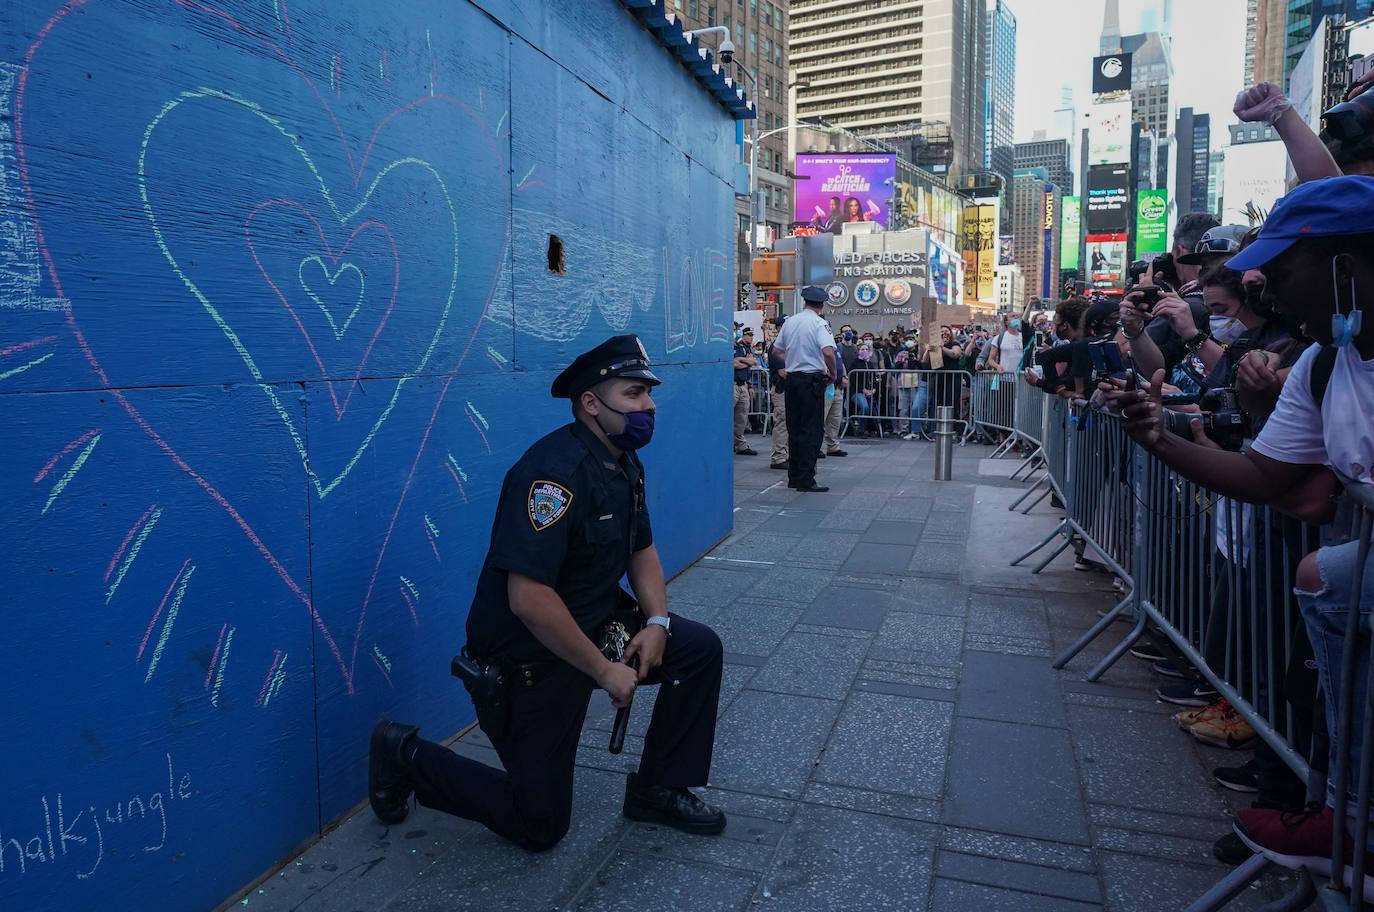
660 621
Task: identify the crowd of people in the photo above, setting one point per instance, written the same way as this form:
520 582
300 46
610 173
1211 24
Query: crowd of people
1241 361
886 385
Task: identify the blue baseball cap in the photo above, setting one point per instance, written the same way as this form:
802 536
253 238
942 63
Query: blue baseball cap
1330 207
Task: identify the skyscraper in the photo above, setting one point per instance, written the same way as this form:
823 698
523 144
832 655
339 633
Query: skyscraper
1303 18
1000 91
1052 156
912 74
759 32
1035 231
1264 38
1192 149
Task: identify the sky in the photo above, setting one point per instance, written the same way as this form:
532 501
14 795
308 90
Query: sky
1057 39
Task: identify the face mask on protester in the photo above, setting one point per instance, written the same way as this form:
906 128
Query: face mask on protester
1344 326
1225 330
849 335
909 345
1016 326
638 431
865 353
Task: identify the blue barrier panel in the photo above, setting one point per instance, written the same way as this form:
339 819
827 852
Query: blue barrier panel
276 315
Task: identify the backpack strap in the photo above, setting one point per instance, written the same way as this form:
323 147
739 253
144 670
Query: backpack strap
1320 378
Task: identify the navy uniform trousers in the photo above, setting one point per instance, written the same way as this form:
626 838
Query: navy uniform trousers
530 803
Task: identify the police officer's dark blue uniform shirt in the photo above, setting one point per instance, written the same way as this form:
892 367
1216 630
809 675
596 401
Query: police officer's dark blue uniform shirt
743 350
565 518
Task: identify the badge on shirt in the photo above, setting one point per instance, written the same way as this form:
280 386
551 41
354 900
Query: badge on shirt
548 502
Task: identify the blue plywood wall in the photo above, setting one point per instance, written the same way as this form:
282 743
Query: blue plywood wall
275 318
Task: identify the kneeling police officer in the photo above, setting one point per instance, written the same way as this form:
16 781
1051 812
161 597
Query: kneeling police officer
570 522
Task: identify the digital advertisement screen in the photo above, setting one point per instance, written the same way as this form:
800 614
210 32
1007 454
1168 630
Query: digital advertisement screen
1109 133
1108 198
1111 73
1071 224
1151 222
836 188
1107 261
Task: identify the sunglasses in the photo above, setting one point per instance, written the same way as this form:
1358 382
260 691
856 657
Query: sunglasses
1217 245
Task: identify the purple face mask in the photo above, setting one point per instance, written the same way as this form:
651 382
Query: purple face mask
639 428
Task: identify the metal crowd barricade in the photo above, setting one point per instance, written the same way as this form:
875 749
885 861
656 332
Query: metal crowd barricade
1214 578
760 398
993 406
888 414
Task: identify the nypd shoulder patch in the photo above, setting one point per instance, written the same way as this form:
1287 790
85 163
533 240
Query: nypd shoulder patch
547 504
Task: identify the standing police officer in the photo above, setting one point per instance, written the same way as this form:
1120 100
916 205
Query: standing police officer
808 351
570 522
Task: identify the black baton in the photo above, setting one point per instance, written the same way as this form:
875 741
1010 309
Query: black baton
622 718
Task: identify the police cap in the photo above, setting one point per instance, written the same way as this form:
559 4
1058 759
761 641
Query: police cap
813 294
618 356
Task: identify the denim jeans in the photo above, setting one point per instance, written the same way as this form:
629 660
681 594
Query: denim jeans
1325 613
862 410
905 397
923 407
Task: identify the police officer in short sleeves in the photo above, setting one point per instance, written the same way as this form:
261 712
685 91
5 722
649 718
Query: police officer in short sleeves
570 522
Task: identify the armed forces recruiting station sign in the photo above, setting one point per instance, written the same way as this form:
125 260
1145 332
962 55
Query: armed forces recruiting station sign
879 280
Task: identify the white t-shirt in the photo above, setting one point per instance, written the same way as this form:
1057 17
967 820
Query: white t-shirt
803 337
1344 437
1009 351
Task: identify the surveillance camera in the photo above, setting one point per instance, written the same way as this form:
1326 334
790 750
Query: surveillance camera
726 52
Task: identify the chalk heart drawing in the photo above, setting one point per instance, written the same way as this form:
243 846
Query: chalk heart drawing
301 221
325 481
312 265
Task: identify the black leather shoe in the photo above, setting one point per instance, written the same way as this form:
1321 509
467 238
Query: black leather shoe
813 489
388 771
747 451
820 455
674 807
837 453
780 466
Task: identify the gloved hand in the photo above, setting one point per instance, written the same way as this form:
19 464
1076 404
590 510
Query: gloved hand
1262 102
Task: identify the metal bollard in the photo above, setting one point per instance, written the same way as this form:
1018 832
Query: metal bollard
944 441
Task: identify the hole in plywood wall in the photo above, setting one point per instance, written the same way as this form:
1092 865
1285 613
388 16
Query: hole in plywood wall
556 264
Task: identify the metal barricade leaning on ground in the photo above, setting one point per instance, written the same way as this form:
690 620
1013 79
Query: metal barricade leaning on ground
1215 579
897 402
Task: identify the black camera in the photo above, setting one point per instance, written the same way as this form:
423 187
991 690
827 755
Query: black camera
1221 418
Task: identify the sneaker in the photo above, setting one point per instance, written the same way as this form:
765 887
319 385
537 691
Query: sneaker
1195 693
1231 850
836 452
1118 584
1190 717
1083 565
747 451
820 455
1243 778
1168 669
1149 652
908 436
1226 729
1297 840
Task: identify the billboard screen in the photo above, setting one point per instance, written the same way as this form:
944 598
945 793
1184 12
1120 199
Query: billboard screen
1111 73
1109 133
1108 198
1107 261
980 250
1071 227
1047 279
836 188
1151 222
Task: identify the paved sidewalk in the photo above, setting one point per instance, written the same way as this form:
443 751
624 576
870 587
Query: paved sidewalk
892 736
